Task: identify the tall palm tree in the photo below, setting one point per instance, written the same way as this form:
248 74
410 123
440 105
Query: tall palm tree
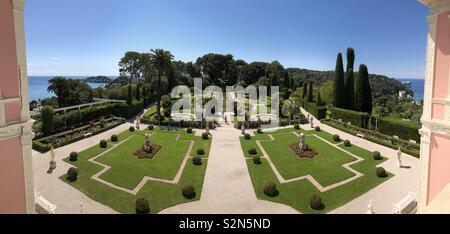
58 85
161 60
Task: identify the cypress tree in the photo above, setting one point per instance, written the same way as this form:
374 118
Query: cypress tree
287 80
350 90
130 95
319 100
339 83
350 59
305 90
363 91
138 92
310 93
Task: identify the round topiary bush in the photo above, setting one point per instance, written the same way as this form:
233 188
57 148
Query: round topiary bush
247 136
103 144
296 126
270 189
197 160
151 127
72 174
336 137
188 191
377 155
381 172
73 156
205 136
252 151
142 206
260 131
201 151
114 138
347 143
317 129
256 160
189 130
131 129
315 202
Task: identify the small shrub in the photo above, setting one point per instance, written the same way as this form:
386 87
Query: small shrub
205 136
201 151
260 131
270 189
347 143
197 160
142 206
296 126
73 157
103 144
336 137
377 155
151 127
381 172
72 174
131 129
252 151
114 138
256 160
247 136
188 191
189 130
317 129
315 202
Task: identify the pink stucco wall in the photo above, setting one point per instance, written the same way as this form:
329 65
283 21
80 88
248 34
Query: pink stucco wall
439 167
438 111
9 81
442 64
12 180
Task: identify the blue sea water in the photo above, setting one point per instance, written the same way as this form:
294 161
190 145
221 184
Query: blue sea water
37 86
418 87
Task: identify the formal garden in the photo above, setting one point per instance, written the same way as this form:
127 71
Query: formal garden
311 171
141 171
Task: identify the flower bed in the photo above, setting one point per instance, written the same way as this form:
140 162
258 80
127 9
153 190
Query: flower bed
309 153
61 139
142 154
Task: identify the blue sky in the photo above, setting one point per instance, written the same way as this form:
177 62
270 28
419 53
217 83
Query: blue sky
88 37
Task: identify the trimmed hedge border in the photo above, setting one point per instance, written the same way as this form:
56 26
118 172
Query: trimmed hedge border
356 118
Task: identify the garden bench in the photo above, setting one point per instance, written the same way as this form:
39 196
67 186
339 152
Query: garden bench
360 135
408 205
43 205
89 134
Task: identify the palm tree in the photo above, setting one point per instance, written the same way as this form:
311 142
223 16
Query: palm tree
161 60
58 85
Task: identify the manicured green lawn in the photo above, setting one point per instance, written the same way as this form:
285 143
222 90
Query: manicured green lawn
297 194
127 169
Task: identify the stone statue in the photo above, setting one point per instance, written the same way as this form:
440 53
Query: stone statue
302 145
147 138
147 147
207 127
399 157
138 123
243 129
52 159
370 206
312 122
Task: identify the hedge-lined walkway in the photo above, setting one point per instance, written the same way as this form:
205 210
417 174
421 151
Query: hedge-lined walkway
391 191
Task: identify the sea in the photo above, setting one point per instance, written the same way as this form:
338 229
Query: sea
37 86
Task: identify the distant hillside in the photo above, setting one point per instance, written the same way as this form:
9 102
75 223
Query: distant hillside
98 79
381 85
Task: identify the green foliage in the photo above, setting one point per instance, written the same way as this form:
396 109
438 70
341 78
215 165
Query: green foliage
296 126
403 129
188 191
48 119
319 100
377 155
350 90
142 206
363 91
189 130
130 95
336 137
310 93
41 147
317 129
205 136
339 83
247 136
381 172
73 157
72 174
197 160
359 119
315 202
114 138
201 151
305 91
270 189
131 129
252 151
138 92
350 59
103 144
317 111
326 92
347 143
256 160
151 127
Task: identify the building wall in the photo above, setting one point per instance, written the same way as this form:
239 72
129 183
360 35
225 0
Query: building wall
439 171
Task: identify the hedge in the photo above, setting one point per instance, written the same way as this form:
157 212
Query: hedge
355 118
128 111
319 112
403 129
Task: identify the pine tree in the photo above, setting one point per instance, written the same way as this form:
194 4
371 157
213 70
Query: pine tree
130 95
339 83
310 93
350 90
305 90
363 91
138 92
319 100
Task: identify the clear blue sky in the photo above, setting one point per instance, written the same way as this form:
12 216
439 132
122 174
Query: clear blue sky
88 37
